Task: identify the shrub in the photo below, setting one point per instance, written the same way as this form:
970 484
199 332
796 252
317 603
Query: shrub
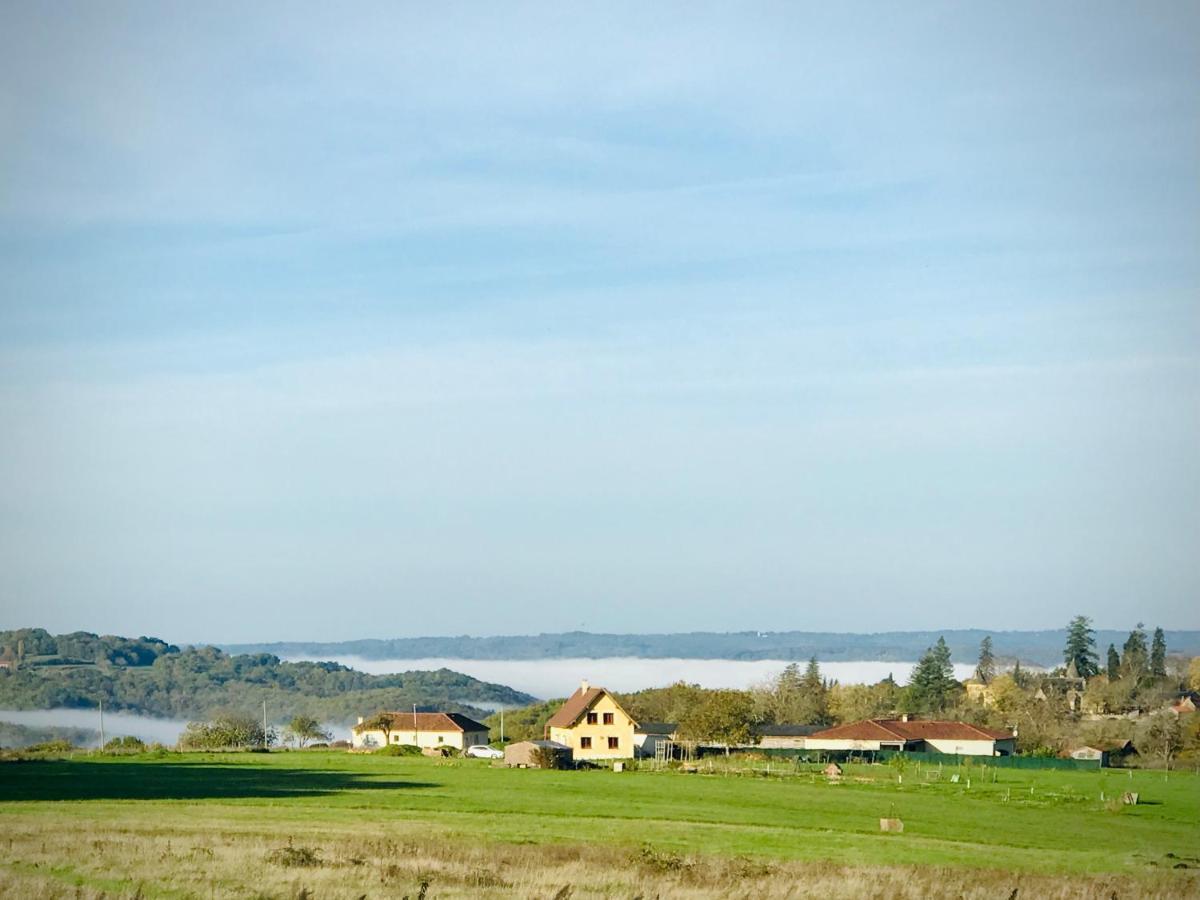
1042 752
125 744
294 857
548 758
226 732
398 750
58 746
662 860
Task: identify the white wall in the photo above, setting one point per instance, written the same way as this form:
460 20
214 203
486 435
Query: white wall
838 744
964 748
456 740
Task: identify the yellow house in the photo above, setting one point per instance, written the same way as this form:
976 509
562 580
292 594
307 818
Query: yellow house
593 724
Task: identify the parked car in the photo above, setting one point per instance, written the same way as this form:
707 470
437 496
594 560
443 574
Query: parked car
483 751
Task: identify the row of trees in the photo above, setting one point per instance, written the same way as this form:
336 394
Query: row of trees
236 731
1139 659
25 645
198 682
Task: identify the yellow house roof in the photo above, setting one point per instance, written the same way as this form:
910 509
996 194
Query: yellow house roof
579 703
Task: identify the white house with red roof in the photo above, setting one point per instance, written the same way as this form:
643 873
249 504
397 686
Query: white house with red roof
916 735
427 730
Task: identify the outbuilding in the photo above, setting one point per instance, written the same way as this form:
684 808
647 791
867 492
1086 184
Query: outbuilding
783 736
648 735
1107 754
536 755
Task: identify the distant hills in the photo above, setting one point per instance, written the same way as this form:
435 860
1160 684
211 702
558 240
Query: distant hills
151 677
1043 648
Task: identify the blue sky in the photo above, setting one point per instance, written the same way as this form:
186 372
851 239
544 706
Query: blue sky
321 323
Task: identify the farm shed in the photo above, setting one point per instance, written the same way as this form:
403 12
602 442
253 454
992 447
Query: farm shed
1107 754
648 735
524 754
783 737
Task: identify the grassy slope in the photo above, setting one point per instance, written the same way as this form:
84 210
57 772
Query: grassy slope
1061 827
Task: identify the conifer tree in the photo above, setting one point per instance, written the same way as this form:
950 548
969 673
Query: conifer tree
815 695
1135 657
985 671
1081 647
1158 654
932 685
1114 663
1020 679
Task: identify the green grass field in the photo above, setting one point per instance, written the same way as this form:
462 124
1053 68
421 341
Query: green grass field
1006 823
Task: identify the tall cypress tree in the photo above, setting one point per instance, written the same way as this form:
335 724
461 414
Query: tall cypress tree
815 694
1081 647
985 670
1114 663
788 695
1158 654
1018 675
1135 658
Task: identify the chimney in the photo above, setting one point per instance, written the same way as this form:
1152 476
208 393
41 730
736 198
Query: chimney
904 717
360 720
583 686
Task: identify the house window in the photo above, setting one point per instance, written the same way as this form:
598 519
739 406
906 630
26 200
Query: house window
608 718
440 738
592 718
614 743
395 738
585 743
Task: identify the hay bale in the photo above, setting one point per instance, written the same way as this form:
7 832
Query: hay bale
896 826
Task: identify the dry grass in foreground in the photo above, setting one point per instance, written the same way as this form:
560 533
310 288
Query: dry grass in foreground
52 862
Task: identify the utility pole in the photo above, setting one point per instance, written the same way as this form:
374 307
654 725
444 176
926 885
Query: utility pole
416 736
102 724
264 724
502 724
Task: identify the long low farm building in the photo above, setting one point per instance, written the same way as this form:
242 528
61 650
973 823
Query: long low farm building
914 735
427 730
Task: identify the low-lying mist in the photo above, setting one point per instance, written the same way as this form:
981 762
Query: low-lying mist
559 677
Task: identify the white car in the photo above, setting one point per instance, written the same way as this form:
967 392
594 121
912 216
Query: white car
483 751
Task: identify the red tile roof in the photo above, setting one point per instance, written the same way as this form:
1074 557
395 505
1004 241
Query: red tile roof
866 730
428 721
912 730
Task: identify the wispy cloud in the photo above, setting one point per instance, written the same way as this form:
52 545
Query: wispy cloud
689 304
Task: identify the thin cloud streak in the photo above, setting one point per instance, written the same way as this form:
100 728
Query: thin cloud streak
773 316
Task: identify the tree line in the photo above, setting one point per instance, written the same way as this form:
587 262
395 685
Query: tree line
1037 703
194 683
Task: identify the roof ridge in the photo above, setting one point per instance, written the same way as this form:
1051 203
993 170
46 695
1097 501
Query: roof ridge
891 731
580 702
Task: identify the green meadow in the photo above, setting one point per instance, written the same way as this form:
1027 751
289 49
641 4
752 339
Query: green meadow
1038 823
